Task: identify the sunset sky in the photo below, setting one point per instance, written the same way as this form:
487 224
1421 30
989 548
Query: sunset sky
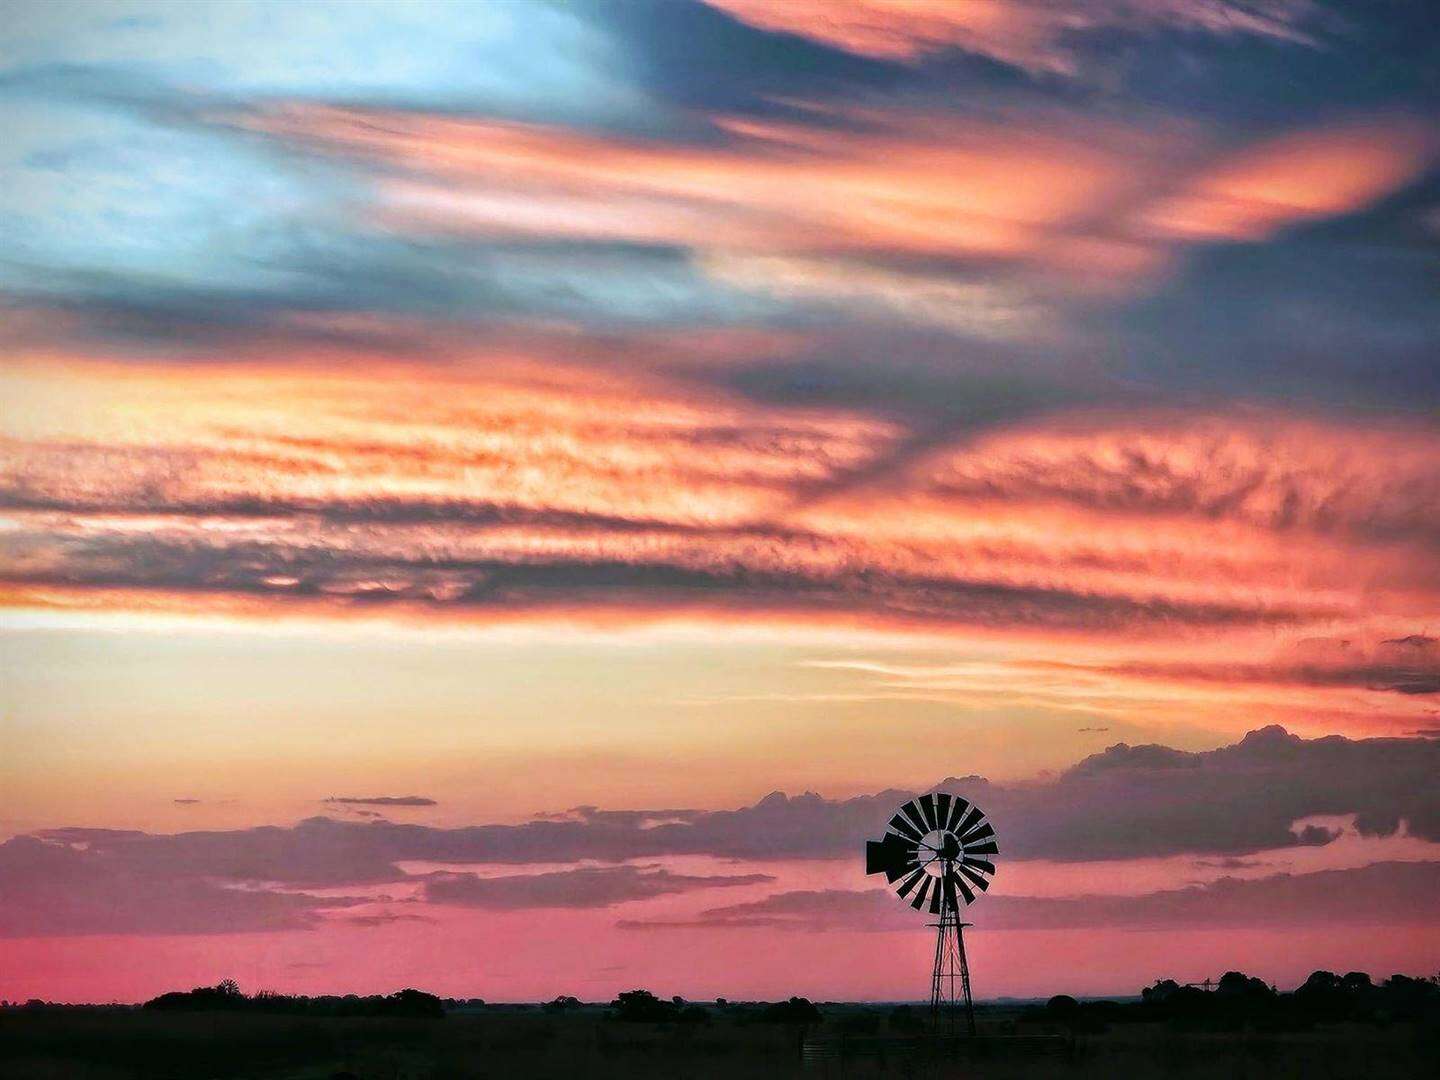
506 498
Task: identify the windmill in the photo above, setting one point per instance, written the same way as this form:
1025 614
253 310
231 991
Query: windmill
936 853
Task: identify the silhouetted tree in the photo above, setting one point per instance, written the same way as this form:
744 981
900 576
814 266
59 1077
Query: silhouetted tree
797 1010
643 1007
1062 1006
1236 984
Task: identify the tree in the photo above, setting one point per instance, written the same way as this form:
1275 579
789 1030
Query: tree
797 1010
643 1007
1062 1006
1238 985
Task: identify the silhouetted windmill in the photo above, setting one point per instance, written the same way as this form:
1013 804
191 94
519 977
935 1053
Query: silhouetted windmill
937 855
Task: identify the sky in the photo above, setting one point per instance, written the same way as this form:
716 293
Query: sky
505 498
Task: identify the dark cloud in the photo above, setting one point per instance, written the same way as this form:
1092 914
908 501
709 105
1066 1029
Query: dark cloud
585 887
201 561
1382 894
1337 312
699 58
1407 665
185 802
1346 54
382 800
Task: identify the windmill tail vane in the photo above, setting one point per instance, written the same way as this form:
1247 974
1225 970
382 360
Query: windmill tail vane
937 854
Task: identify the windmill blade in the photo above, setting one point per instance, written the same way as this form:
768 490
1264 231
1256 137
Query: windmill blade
936 895
972 819
927 810
912 811
964 889
955 814
979 864
919 901
984 832
942 809
893 856
987 848
910 882
977 879
900 825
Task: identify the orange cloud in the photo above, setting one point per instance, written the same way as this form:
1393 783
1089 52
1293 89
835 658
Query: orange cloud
1053 205
1296 177
919 184
1164 555
1027 34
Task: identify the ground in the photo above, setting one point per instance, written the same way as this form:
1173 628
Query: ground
501 1042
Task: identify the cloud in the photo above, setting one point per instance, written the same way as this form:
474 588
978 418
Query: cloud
382 800
1031 35
1122 803
1381 894
52 889
586 887
375 920
1126 802
185 802
1230 863
1295 177
541 487
1409 665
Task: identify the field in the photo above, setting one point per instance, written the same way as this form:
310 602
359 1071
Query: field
499 1042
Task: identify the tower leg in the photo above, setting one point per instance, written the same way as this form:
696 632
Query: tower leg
950 978
965 978
938 997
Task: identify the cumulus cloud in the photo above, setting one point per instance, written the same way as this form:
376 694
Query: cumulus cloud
1381 894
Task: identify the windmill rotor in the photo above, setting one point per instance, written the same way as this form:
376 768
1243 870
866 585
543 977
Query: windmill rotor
937 853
